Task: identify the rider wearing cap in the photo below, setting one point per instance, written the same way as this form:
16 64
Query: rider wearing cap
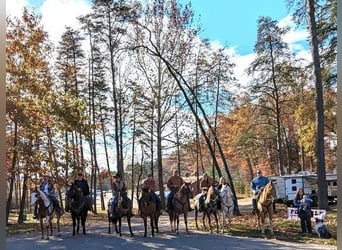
257 184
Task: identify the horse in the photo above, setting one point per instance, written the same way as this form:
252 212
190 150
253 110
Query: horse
45 210
227 206
265 206
180 206
148 208
209 207
78 208
123 209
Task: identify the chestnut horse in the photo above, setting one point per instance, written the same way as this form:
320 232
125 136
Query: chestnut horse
148 208
265 206
123 209
46 211
209 207
180 206
227 206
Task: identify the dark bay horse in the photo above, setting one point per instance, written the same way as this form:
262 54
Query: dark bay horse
123 209
78 208
227 206
265 206
209 208
46 211
148 208
180 206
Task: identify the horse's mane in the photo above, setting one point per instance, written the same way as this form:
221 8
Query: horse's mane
210 193
44 198
266 192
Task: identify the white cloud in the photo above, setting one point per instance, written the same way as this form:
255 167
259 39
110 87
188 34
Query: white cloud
56 14
15 7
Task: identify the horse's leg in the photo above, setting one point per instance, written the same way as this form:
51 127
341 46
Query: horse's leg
223 220
83 220
171 221
216 220
271 222
156 225
196 212
109 221
78 223
209 221
152 219
129 224
116 225
73 223
203 220
58 223
262 217
41 227
47 230
50 225
186 222
119 220
177 222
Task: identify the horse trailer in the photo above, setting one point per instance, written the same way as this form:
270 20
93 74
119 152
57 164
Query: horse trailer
287 186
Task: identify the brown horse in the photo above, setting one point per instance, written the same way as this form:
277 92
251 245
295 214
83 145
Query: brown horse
180 206
209 208
265 206
46 211
148 208
123 209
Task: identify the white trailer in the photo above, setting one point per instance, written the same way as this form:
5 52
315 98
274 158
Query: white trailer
287 186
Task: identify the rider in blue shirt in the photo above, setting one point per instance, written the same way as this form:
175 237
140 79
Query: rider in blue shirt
257 184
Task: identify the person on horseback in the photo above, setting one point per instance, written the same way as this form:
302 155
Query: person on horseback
205 183
82 184
150 184
257 185
117 186
48 188
174 183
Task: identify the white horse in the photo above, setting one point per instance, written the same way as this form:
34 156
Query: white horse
227 206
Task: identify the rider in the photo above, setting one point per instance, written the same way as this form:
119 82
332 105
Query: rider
82 184
150 184
257 184
47 187
117 186
174 183
205 183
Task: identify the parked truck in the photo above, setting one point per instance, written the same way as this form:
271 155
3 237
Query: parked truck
287 186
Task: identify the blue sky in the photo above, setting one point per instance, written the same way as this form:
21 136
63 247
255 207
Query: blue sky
234 22
231 22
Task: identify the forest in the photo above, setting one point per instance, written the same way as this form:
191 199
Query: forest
136 90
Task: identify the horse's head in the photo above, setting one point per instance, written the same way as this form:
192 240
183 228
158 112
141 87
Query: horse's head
225 190
269 193
73 192
213 194
186 189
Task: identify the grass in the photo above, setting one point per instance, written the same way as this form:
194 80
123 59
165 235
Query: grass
243 226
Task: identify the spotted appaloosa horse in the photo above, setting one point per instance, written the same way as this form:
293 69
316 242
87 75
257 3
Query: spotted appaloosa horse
180 206
265 206
46 211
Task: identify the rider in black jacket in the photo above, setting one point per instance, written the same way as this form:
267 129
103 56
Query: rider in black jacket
82 184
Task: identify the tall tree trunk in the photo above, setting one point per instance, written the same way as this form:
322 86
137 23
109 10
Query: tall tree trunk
320 155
